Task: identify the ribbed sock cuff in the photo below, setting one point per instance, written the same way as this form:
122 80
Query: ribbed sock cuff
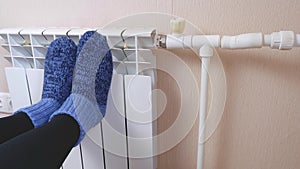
40 112
86 113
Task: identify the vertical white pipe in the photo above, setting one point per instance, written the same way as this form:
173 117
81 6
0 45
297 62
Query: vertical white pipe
205 52
202 115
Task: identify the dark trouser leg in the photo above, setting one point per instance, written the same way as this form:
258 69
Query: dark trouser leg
45 147
14 125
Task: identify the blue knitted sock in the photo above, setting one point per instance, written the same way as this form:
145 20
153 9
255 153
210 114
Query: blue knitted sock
58 72
91 83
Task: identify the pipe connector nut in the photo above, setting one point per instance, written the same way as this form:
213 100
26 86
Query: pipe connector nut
283 40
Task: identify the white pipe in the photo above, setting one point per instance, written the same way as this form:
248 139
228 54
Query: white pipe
283 40
205 53
297 41
244 41
191 41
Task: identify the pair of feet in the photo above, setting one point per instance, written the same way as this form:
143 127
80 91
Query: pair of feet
76 82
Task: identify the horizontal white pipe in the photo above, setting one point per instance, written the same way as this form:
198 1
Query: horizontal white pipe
297 42
244 41
191 41
282 40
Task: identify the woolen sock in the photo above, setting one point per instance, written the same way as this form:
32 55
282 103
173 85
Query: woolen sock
91 83
58 74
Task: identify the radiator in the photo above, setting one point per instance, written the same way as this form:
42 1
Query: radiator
115 143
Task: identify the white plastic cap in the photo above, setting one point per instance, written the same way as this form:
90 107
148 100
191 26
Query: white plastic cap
283 40
177 25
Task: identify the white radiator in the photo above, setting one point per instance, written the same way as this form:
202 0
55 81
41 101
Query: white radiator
130 110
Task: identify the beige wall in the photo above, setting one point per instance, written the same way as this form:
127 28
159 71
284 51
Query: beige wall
260 126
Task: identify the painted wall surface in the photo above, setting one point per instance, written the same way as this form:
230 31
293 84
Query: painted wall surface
260 127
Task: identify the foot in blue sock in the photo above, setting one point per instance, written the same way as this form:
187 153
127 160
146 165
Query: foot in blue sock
58 74
91 83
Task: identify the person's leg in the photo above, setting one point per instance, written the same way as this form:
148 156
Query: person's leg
58 74
91 83
45 147
48 146
14 125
